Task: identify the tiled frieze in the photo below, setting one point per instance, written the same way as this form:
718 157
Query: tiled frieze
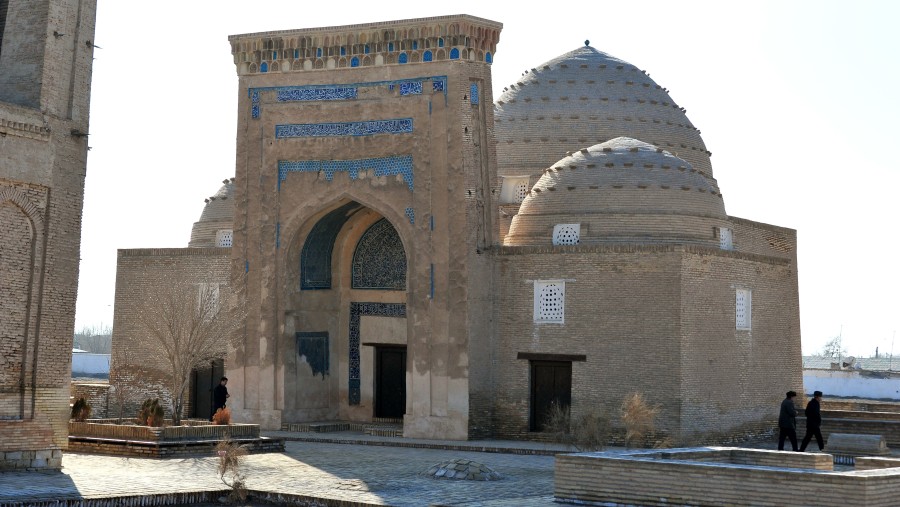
383 166
322 93
347 128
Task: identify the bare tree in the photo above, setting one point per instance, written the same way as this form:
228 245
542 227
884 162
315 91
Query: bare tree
834 348
96 339
187 326
120 379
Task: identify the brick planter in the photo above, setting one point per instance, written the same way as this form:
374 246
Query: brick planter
106 437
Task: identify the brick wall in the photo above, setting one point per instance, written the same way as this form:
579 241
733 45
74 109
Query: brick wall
44 97
97 396
134 375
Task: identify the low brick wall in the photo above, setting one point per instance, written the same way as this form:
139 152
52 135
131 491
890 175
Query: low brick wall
872 463
639 478
855 414
167 449
889 429
162 434
45 459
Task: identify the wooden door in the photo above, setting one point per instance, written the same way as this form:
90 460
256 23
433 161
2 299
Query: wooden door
390 382
551 383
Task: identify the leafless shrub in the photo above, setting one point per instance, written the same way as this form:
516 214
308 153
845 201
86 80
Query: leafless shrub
231 459
639 419
587 432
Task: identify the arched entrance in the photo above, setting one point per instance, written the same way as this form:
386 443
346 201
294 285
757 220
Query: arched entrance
348 318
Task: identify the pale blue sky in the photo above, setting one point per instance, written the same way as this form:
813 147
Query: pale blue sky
797 101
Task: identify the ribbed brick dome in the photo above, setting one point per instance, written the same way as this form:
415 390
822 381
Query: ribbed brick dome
218 215
621 191
582 98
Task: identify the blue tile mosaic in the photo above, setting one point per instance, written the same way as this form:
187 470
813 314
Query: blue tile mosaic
403 58
411 88
354 62
488 58
313 347
454 54
473 93
264 67
379 261
348 91
411 215
384 166
315 258
315 93
427 56
342 129
357 310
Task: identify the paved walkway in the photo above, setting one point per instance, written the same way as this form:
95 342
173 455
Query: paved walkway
374 471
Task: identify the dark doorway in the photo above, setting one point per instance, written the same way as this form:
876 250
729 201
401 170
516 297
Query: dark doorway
551 383
390 382
204 381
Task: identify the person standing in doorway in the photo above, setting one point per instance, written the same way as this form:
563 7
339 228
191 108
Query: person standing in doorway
220 395
813 422
787 421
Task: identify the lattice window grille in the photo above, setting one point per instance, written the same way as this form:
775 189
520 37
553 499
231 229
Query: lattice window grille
521 190
549 301
742 309
726 238
223 238
566 234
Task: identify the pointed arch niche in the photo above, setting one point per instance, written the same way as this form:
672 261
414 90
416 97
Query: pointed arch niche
347 310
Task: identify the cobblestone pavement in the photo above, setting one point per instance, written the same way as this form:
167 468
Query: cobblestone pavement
353 473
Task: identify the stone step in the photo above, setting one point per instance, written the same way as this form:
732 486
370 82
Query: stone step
384 431
323 427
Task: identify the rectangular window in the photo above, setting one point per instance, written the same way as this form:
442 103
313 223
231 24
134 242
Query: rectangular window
549 301
742 309
726 238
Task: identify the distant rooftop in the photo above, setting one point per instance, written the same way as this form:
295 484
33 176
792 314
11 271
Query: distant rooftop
864 363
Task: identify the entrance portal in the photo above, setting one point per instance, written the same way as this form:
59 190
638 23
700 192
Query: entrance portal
390 382
204 381
551 384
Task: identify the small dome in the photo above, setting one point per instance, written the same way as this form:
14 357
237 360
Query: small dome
217 220
582 98
621 191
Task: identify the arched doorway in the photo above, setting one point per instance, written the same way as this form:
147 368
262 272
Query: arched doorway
349 318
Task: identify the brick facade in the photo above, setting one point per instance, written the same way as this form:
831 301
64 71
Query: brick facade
44 103
143 272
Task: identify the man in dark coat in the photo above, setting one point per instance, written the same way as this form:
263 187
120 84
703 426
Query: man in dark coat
813 422
220 395
787 421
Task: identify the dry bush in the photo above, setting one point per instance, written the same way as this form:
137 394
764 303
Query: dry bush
151 413
639 419
231 459
81 410
587 432
222 416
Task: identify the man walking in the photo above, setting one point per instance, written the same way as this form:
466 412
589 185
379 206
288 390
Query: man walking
220 395
813 422
787 421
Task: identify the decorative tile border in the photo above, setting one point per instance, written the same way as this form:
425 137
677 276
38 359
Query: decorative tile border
411 215
384 166
315 93
357 310
342 129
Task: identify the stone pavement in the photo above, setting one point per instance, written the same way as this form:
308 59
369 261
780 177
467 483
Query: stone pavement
336 473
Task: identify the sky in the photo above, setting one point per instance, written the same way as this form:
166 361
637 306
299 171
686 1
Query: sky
797 101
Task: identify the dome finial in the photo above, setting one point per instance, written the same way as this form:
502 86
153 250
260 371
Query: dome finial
587 42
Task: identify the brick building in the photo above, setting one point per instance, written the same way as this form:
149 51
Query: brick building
46 54
410 249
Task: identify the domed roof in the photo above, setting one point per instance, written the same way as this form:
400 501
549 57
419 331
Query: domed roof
623 190
218 215
582 98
